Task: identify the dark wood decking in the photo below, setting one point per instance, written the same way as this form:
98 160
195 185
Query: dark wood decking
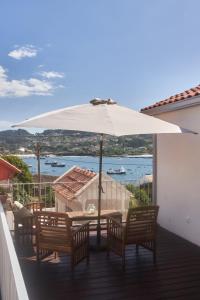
175 276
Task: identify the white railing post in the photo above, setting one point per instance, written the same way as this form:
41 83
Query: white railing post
11 281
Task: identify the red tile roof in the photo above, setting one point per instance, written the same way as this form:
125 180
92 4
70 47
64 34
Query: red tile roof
72 181
178 97
7 170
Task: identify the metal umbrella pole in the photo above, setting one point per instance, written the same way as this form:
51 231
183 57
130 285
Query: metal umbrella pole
38 149
99 192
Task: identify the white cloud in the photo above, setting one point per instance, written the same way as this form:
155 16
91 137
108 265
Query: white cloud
24 51
24 87
52 74
5 125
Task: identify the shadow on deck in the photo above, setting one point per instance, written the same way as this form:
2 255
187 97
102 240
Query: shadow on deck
175 276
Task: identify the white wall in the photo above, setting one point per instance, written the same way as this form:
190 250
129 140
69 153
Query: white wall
188 118
178 176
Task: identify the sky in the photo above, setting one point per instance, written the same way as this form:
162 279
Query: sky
60 53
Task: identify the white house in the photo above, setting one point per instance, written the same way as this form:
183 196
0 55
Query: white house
177 165
77 188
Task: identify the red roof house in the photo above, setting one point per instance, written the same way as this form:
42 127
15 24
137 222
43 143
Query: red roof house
7 170
176 172
191 93
77 188
71 182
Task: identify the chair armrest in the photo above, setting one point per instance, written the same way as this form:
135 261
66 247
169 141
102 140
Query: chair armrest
80 227
81 235
115 228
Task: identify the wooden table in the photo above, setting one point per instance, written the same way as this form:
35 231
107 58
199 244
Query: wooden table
85 216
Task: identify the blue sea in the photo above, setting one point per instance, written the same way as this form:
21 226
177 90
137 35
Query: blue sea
136 166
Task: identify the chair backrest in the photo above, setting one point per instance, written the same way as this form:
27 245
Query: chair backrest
35 206
141 223
53 223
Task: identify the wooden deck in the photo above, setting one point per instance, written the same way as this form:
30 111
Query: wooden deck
175 276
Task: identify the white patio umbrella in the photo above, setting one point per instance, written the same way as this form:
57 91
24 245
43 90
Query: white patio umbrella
104 117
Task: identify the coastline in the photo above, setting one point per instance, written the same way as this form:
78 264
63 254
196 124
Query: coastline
53 155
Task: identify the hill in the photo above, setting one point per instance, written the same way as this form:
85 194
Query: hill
66 142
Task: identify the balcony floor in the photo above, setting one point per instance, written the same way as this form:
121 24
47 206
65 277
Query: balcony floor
175 276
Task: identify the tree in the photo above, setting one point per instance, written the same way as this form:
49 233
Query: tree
23 177
21 192
141 195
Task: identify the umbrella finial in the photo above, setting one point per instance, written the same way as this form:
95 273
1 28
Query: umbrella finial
97 101
111 101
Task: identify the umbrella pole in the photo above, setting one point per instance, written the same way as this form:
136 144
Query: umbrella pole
99 190
38 149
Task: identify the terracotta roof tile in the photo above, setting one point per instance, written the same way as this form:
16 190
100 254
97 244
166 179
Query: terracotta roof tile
69 184
178 97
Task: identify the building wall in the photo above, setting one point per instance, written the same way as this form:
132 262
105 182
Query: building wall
114 196
62 205
178 176
187 118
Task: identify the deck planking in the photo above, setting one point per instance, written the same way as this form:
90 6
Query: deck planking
175 276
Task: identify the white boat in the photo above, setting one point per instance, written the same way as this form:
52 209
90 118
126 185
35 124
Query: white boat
120 171
56 164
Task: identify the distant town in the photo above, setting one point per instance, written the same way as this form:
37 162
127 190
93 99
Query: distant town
64 142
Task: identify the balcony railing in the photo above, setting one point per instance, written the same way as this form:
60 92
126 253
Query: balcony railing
11 280
69 196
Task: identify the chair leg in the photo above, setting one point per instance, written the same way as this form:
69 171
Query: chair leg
154 258
108 250
38 255
154 252
88 255
123 260
88 259
72 262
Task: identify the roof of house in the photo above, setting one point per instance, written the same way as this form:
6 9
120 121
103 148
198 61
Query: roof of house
7 170
195 91
72 181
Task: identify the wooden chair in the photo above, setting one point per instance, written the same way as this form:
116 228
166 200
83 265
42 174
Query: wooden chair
24 225
139 229
55 234
23 228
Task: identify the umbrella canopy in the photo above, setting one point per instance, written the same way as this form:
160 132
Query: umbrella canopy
106 118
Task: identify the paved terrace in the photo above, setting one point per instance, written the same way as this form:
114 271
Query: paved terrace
176 275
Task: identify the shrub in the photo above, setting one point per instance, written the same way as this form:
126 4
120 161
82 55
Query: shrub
140 195
21 192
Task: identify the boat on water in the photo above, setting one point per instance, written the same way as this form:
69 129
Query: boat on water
48 162
59 165
120 171
54 164
139 156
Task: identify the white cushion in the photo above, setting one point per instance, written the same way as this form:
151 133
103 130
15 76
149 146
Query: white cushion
18 205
